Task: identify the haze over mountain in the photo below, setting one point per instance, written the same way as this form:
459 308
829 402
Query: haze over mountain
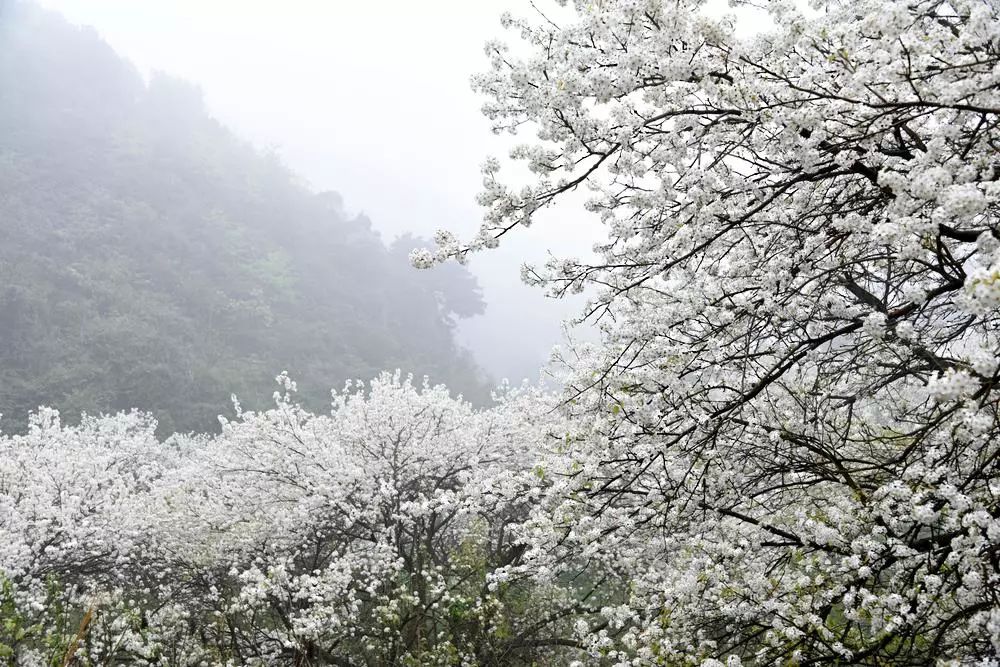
152 259
379 110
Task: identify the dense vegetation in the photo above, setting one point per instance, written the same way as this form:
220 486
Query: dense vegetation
151 259
361 537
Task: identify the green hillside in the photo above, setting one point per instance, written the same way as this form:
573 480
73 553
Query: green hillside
150 258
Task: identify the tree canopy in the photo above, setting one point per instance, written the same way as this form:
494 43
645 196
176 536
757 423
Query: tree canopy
789 440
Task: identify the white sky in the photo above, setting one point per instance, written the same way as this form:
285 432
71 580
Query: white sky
370 99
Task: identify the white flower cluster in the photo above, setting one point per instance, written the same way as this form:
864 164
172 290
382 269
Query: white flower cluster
366 534
788 432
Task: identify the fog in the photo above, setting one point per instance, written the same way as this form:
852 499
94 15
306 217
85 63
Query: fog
371 100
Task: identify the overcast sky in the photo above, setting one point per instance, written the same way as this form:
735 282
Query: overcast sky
370 99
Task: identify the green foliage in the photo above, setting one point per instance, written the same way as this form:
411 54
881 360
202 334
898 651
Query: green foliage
153 260
45 632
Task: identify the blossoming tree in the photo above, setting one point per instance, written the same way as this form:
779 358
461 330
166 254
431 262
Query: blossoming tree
364 537
368 536
787 442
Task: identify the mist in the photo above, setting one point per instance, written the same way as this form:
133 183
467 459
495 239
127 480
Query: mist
374 106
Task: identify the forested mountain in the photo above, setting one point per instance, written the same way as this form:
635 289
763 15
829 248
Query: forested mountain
152 259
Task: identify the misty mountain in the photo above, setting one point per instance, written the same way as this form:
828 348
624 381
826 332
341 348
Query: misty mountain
150 258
